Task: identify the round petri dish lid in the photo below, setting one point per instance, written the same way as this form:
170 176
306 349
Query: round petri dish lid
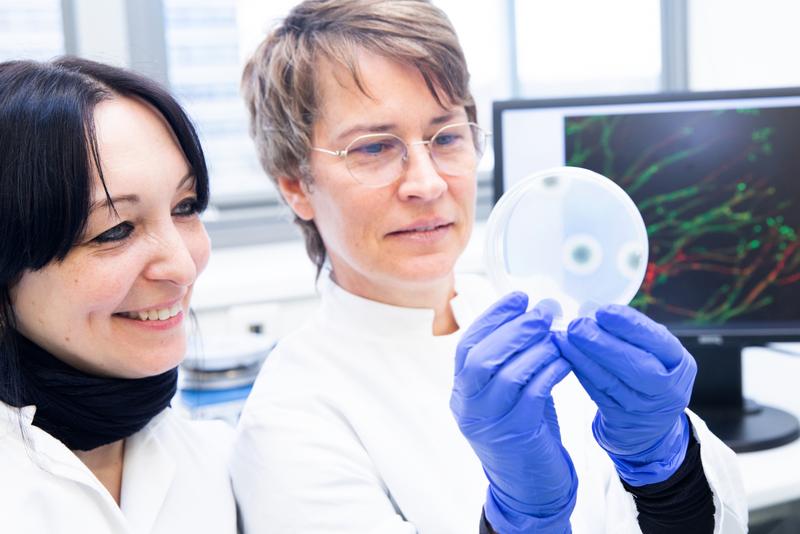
567 234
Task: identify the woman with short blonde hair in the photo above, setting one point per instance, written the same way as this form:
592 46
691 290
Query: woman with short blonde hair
362 115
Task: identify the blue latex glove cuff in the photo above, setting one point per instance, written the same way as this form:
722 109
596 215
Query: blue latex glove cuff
507 521
654 465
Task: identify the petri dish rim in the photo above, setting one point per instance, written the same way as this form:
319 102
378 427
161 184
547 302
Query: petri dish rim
494 246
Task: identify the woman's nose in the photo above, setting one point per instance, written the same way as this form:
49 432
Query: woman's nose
421 179
172 259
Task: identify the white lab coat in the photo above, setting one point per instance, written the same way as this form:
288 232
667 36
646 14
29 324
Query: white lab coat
174 480
348 430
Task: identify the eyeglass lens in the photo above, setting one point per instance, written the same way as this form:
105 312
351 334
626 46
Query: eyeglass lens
378 159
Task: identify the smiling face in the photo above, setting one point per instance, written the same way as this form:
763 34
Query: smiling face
116 305
398 243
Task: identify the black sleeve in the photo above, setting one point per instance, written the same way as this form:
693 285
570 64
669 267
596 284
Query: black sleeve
682 503
486 528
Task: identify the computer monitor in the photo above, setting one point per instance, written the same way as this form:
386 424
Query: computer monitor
716 177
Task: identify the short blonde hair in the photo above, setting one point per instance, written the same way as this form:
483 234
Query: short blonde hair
279 81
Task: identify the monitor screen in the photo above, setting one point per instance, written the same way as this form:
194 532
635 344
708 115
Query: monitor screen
716 177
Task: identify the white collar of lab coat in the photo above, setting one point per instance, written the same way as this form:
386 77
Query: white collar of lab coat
148 473
346 311
145 457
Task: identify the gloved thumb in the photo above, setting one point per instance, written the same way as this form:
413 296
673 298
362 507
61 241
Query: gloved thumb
507 308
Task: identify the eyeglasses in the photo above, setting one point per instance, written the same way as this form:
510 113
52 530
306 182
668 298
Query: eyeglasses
377 160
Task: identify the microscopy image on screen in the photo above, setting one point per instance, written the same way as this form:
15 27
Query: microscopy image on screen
719 191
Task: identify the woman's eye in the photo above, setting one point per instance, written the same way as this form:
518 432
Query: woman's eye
377 147
186 208
447 139
371 148
117 233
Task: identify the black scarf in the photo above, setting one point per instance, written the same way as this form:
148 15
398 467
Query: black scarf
84 411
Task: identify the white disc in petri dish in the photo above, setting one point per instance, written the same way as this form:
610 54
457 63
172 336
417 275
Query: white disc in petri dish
570 235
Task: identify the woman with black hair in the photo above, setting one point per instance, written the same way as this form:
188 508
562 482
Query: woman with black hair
102 180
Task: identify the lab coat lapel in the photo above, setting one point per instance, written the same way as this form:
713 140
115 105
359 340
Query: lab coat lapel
60 461
54 457
146 479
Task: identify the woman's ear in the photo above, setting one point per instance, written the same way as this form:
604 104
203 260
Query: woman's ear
296 194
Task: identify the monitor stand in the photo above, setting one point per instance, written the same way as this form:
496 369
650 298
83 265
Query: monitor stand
742 424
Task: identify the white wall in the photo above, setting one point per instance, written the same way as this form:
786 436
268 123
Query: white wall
736 44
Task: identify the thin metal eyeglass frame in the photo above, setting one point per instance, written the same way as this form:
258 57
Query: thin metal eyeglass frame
343 153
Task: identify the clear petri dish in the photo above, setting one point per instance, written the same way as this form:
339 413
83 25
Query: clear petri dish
567 234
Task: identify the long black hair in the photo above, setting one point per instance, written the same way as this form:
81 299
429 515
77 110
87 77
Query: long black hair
48 155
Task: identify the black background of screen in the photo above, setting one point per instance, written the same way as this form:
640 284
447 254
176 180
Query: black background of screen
715 151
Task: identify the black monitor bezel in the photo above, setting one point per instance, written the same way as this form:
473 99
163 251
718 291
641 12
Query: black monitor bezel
715 335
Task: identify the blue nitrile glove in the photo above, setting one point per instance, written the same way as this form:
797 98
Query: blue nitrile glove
641 378
506 366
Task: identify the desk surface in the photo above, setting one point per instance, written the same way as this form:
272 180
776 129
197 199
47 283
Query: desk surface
772 476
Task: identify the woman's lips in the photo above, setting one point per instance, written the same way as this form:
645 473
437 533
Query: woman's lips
423 232
423 225
157 324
